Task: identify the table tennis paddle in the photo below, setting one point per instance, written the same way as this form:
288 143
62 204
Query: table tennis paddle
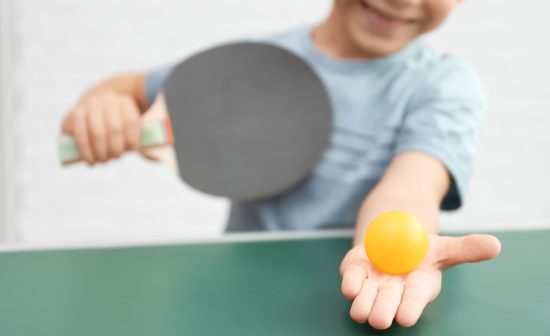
249 120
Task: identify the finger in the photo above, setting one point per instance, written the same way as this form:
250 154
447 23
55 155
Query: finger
79 131
113 124
97 131
352 279
67 123
130 117
471 248
362 305
414 301
386 304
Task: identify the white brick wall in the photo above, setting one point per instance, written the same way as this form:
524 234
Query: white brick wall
6 149
507 41
63 46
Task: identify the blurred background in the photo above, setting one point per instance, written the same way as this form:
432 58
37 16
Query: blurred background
53 50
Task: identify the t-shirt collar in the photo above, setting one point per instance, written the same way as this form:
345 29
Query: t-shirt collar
325 60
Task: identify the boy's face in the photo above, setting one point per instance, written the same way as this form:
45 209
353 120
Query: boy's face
381 27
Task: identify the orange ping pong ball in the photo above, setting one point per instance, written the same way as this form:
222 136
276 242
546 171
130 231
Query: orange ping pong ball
396 242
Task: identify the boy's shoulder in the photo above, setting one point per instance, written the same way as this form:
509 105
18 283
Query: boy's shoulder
438 63
444 74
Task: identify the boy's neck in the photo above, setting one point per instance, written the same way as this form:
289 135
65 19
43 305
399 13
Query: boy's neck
333 39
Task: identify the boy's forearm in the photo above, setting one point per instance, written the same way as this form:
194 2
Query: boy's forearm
132 84
414 182
423 206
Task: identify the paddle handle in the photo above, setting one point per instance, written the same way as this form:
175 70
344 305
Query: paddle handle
153 133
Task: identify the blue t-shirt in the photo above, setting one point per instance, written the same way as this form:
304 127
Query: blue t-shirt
413 100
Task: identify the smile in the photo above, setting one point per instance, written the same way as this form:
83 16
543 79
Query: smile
382 20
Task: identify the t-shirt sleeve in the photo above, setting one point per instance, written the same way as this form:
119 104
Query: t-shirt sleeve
154 81
443 120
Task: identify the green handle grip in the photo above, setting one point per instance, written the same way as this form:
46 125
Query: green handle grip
153 133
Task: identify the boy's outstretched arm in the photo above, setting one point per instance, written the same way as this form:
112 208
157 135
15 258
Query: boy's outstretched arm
414 182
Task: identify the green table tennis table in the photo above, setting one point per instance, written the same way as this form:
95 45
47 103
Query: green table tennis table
283 284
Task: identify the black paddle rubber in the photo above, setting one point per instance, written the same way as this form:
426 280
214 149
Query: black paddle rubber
250 120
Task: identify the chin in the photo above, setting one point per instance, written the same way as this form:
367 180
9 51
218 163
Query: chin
369 42
372 45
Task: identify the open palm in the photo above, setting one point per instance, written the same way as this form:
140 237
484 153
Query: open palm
379 297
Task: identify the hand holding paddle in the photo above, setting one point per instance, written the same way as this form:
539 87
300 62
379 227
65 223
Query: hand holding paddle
107 125
250 120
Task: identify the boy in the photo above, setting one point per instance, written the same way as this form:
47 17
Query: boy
406 123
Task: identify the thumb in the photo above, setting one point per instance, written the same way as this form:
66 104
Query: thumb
164 154
471 248
157 111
